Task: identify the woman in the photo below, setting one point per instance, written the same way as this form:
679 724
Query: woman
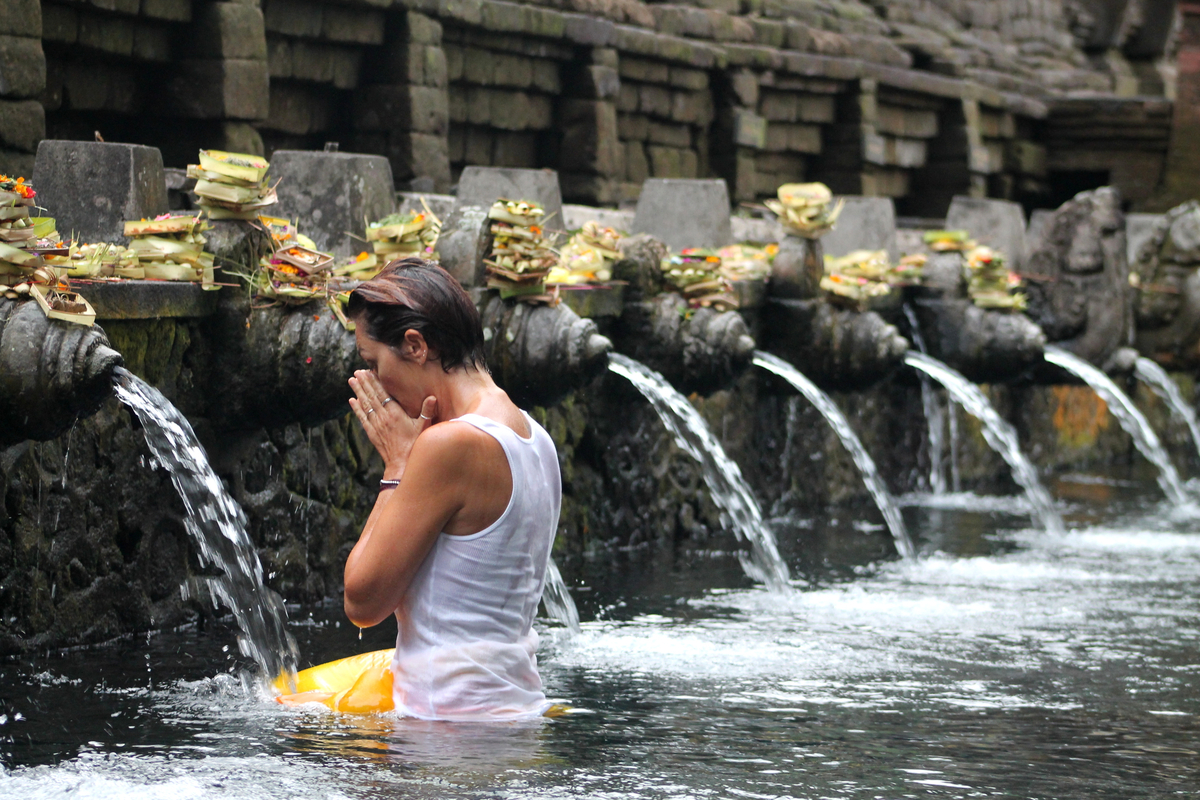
459 538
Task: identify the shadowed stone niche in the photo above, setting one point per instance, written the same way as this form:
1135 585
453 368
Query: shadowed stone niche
1078 274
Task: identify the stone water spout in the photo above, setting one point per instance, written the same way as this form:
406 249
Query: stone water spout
51 372
985 346
539 353
695 349
1078 278
1167 298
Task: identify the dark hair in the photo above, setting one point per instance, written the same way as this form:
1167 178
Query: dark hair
415 294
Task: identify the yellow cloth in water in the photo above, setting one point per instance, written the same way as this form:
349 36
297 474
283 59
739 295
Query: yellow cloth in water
359 684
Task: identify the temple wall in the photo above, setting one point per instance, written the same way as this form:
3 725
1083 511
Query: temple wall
914 99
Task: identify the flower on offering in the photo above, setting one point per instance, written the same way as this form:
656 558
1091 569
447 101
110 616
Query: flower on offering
806 209
990 284
587 257
522 256
858 278
169 247
403 234
747 262
696 274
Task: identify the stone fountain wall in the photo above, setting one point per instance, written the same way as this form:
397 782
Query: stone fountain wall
916 100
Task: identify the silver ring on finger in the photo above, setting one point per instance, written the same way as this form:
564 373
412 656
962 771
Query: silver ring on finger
387 400
425 417
370 411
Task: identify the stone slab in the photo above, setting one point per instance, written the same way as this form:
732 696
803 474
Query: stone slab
484 185
147 299
92 188
1138 228
999 224
684 213
331 195
1038 218
464 242
410 202
866 223
753 229
593 302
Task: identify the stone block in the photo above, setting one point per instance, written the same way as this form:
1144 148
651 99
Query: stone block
512 70
95 87
627 97
744 83
93 187
815 108
456 140
279 57
482 186
458 105
420 156
22 124
423 29
354 25
686 78
302 18
779 107
479 66
866 223
637 166
644 71
383 107
297 110
587 30
670 135
633 127
150 300
106 34
479 108
655 101
684 213
478 144
594 82
691 107
515 149
152 42
906 153
332 194
546 77
15 162
21 18
226 30
689 163
590 141
999 224
454 62
22 67
345 66
434 69
169 10
668 19
230 89
748 128
59 24
465 237
908 122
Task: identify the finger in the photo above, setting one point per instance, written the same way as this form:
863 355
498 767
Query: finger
372 389
428 412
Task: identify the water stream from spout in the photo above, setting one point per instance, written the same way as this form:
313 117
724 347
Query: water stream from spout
999 435
1132 421
728 488
557 599
217 525
1154 376
849 439
935 418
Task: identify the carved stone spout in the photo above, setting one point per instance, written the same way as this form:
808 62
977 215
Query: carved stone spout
539 353
837 349
278 365
1168 295
1078 284
51 372
985 346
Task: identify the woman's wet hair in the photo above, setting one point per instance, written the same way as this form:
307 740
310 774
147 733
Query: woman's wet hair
415 294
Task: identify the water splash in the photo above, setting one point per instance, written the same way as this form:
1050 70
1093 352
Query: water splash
557 599
728 488
999 435
217 525
841 426
1132 421
935 418
1154 376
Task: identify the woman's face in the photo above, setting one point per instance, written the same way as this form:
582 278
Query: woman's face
401 370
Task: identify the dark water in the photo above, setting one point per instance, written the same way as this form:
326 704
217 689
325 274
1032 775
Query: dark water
1004 663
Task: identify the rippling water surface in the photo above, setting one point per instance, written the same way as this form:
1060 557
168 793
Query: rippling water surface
1003 663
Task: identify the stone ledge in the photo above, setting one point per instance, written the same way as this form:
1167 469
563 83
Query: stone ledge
593 302
147 299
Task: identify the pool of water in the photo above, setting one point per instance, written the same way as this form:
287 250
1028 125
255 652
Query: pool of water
1003 663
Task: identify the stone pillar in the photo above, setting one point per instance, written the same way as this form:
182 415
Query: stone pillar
223 75
404 112
1182 180
592 159
22 78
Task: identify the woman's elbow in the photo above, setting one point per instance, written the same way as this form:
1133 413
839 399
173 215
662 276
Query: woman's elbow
362 606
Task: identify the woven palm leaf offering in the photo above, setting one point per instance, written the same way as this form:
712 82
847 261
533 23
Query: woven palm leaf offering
403 234
949 241
806 209
169 247
696 274
990 284
232 185
588 257
522 256
742 262
857 279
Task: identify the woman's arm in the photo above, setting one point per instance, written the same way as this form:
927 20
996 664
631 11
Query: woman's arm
406 522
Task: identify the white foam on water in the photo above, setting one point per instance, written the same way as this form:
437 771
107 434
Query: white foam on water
966 501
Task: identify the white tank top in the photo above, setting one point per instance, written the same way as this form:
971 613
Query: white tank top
466 648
